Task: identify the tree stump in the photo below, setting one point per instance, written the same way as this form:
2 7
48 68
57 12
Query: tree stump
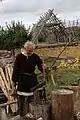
40 111
62 105
3 115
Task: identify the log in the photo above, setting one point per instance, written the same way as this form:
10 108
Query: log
2 86
62 105
52 45
4 79
40 110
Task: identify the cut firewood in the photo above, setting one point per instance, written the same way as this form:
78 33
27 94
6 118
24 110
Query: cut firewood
2 85
4 79
10 70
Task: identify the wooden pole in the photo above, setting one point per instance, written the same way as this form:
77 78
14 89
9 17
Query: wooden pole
62 105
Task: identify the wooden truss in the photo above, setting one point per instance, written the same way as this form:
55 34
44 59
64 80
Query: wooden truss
50 27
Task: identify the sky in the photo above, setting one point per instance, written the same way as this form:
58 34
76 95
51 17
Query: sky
29 11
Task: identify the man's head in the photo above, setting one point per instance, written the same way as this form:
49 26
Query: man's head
29 47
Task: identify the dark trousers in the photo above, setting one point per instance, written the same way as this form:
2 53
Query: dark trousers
24 105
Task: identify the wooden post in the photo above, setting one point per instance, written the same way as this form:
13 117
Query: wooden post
62 105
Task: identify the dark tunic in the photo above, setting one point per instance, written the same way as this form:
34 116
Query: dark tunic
23 72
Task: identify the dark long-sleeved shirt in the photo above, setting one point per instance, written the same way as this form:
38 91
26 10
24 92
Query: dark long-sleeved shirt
26 65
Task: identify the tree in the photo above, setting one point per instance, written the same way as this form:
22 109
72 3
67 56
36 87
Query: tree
14 35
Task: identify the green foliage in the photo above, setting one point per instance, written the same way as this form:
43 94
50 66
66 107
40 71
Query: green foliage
68 76
14 35
64 77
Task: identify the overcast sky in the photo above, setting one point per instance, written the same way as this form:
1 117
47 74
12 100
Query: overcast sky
29 11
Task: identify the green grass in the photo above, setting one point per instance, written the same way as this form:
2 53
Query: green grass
64 77
68 76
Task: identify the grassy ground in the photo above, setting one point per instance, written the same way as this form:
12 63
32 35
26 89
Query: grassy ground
64 77
68 76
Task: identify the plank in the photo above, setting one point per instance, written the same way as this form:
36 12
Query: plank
52 45
62 105
4 79
7 76
3 87
10 70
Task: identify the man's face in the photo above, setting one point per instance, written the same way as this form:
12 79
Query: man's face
29 49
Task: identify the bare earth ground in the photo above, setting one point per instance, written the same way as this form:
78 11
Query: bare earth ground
73 51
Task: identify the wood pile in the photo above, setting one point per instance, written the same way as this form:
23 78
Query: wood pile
6 85
5 58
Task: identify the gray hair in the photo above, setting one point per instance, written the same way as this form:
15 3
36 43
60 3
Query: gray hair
29 43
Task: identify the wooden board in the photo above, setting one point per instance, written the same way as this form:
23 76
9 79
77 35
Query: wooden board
2 85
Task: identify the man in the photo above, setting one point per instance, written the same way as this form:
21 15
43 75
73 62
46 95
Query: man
23 72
